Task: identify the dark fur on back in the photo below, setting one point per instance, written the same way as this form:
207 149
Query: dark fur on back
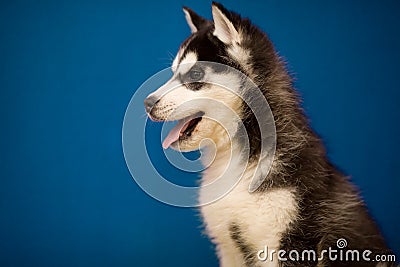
329 205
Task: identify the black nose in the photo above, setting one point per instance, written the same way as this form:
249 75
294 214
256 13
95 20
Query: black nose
149 103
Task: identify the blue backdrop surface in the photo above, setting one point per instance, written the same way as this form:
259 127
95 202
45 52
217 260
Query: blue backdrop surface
68 70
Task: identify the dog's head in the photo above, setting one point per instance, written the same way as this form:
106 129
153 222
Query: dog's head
202 93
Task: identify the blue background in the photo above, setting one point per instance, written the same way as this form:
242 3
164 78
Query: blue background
68 70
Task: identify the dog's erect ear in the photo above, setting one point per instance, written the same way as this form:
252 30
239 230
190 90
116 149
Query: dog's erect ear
224 28
195 21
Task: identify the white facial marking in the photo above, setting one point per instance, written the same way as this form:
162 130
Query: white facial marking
187 62
176 60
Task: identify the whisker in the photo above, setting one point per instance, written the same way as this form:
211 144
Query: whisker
171 56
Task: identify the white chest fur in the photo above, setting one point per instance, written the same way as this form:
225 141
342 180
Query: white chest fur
261 217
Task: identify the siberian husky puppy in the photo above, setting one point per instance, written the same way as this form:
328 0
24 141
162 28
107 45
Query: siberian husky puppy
304 202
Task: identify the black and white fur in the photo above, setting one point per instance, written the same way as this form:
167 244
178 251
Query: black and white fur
305 202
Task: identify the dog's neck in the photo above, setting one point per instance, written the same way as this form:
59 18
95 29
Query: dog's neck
222 162
226 170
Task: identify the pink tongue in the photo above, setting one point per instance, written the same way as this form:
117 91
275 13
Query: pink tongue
175 132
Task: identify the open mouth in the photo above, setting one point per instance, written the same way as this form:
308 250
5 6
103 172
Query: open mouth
182 130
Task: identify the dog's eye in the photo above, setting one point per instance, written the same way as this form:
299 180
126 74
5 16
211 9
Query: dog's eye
196 75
